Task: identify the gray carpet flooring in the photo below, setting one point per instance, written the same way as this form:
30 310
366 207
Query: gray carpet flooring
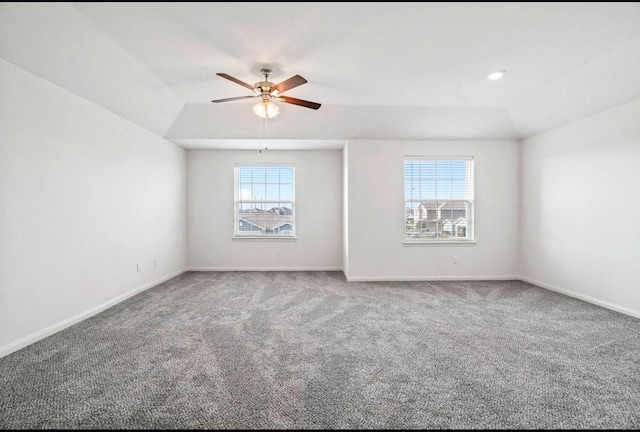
308 350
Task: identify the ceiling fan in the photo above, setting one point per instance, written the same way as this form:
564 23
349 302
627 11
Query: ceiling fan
268 92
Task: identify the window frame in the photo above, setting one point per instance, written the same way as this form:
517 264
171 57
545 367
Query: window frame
469 239
236 202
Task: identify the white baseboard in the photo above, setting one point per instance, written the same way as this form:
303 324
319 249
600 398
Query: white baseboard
41 334
427 278
588 299
293 269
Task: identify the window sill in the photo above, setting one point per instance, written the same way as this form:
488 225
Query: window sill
264 238
438 243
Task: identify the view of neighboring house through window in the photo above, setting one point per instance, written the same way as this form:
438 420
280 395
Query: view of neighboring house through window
264 201
438 198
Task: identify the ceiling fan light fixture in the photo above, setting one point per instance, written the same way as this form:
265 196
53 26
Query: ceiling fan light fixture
496 75
266 109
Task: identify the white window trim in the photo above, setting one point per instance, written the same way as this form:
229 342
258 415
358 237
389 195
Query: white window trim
253 237
442 243
264 238
439 243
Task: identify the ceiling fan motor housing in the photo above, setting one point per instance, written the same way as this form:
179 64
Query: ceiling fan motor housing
264 86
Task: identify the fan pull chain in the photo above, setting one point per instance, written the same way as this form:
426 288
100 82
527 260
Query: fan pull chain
266 132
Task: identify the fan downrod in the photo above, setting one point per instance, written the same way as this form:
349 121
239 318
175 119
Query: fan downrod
264 86
265 73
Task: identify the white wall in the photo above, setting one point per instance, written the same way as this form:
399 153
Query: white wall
376 213
85 196
210 225
580 206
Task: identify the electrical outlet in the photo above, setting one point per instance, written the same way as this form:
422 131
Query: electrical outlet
455 259
279 252
139 268
155 263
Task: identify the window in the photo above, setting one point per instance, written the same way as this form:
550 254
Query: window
438 199
264 201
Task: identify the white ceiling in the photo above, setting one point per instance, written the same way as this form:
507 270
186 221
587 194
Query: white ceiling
380 70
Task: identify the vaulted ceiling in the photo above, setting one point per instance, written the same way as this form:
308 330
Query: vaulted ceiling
380 70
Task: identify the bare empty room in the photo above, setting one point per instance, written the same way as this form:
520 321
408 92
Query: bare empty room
324 215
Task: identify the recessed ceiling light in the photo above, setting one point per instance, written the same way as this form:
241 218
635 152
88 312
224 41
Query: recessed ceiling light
496 75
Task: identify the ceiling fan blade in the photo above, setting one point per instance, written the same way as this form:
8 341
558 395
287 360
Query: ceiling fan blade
304 103
292 82
235 80
233 98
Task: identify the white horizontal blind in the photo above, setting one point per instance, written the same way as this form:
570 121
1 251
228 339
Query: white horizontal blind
438 199
264 201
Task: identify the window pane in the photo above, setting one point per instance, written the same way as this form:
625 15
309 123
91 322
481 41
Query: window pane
258 175
272 175
267 218
264 205
273 191
438 199
286 191
245 192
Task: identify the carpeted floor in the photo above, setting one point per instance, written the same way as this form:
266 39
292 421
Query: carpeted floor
308 350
